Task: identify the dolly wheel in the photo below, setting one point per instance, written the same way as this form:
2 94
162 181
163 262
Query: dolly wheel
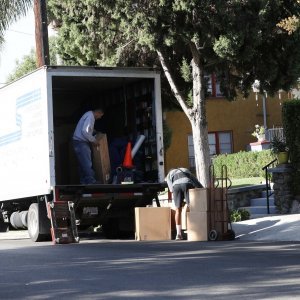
213 235
231 235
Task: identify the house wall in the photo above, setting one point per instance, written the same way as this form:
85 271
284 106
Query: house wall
238 116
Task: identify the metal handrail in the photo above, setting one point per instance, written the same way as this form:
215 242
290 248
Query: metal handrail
268 182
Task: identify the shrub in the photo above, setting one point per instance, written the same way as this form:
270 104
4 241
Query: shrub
235 216
239 215
245 215
243 164
291 128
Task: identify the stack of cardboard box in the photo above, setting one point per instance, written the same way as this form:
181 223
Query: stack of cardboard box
198 218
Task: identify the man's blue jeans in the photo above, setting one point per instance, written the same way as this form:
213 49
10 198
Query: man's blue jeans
84 156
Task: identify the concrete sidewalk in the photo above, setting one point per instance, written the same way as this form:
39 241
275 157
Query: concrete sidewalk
273 228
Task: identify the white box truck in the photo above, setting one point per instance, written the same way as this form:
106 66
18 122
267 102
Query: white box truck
38 115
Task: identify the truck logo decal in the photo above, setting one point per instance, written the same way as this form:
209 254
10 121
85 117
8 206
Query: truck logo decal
22 101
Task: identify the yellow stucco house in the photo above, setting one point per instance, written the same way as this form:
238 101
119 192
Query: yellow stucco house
230 124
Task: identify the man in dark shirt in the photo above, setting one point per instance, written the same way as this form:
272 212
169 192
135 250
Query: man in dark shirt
179 182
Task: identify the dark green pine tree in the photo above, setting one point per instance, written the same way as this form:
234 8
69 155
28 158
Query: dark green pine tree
237 40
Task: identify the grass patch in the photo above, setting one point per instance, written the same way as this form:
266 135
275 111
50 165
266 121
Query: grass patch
240 182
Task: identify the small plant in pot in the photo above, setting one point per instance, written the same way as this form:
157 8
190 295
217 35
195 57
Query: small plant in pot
259 132
280 149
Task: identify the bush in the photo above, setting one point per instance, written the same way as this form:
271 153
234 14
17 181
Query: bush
291 128
239 215
243 164
235 216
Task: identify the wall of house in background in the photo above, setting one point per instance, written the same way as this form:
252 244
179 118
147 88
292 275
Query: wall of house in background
233 120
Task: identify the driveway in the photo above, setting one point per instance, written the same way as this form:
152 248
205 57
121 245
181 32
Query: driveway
273 228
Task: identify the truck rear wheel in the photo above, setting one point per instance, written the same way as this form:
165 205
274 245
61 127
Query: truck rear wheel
18 219
23 216
34 224
15 220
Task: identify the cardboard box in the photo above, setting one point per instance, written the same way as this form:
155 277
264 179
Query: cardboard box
101 161
199 199
152 223
197 226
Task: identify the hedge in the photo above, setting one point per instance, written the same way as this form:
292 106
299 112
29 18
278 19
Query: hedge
291 128
243 164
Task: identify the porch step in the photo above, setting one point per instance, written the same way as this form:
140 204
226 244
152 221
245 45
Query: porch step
264 193
262 216
258 206
259 210
262 201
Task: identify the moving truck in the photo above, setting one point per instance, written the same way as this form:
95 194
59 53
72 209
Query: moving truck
38 115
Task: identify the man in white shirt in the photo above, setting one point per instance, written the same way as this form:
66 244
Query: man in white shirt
82 139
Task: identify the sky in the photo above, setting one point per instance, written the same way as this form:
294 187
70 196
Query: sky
19 40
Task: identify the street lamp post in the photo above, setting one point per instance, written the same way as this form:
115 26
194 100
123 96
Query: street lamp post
256 90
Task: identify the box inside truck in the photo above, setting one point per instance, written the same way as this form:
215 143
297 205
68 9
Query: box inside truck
129 109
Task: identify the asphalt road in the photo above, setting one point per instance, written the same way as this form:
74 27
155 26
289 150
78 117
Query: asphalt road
126 269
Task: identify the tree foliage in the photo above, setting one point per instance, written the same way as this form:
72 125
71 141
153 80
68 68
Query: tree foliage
237 40
290 23
24 66
92 32
28 63
10 11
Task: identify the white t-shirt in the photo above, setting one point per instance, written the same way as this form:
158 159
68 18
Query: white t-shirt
85 127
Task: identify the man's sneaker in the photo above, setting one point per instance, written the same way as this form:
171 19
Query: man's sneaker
179 237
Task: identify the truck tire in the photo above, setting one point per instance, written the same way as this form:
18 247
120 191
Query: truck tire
23 216
33 222
15 220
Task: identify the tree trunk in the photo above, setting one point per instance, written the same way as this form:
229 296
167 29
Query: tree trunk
198 120
196 115
201 150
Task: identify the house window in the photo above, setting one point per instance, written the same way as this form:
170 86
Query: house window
191 151
220 142
213 86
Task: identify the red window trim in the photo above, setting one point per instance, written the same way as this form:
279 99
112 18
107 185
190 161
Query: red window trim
216 133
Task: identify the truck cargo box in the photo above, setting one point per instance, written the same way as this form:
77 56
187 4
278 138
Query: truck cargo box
38 116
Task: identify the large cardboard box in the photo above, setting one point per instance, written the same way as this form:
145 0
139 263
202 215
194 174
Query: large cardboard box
152 223
101 161
199 199
197 226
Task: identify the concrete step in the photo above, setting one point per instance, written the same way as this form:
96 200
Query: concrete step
264 193
254 210
261 201
258 206
257 216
